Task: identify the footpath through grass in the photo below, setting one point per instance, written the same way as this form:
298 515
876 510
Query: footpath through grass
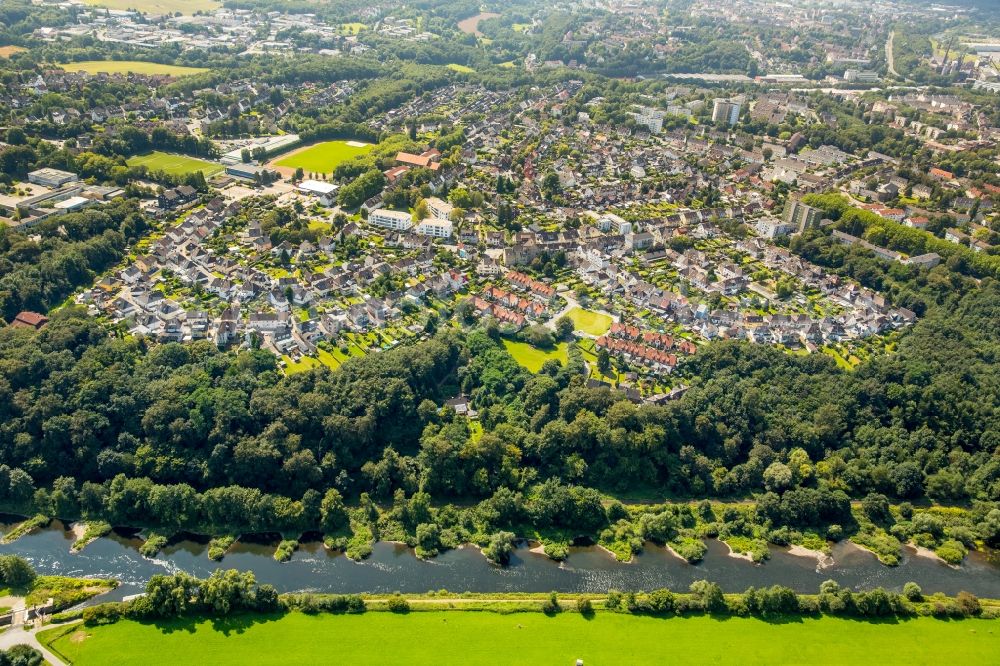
470 638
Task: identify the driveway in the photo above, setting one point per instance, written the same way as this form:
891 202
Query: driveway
25 635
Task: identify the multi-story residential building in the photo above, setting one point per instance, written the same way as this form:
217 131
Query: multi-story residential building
435 228
800 216
390 219
726 110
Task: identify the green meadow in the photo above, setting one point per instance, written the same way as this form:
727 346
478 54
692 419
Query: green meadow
534 358
592 323
481 638
130 66
175 165
323 157
186 7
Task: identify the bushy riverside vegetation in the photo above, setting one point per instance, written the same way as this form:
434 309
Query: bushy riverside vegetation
230 592
18 578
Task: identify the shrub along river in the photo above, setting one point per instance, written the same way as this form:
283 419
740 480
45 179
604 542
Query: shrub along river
394 567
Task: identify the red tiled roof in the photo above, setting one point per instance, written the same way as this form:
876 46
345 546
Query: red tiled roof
29 319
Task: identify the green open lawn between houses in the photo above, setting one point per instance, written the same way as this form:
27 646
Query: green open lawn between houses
130 66
175 165
304 363
534 358
323 157
591 323
472 638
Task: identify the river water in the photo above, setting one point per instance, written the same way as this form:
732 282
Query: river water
394 567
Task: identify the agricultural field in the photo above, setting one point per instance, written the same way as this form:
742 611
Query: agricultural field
352 28
462 69
591 323
130 67
534 358
8 51
471 638
175 165
322 157
186 7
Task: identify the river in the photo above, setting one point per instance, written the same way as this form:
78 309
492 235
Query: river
394 567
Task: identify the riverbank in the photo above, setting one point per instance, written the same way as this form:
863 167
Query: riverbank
523 638
394 567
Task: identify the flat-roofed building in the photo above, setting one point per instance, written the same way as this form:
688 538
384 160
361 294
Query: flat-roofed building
51 177
435 227
390 219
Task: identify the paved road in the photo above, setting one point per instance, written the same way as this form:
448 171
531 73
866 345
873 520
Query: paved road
889 57
25 635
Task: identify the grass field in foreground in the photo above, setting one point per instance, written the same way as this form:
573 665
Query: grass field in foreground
592 323
186 7
127 66
533 358
324 157
176 165
470 638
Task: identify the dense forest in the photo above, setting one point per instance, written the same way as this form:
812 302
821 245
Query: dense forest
38 270
189 435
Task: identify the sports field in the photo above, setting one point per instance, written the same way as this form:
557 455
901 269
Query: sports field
186 7
130 66
175 165
322 157
472 638
534 358
591 323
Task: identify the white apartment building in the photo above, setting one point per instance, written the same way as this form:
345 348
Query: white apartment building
435 228
726 110
650 117
390 219
439 208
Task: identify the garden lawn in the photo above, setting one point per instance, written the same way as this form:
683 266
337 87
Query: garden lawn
534 358
591 323
323 157
304 363
175 165
472 638
130 66
328 359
